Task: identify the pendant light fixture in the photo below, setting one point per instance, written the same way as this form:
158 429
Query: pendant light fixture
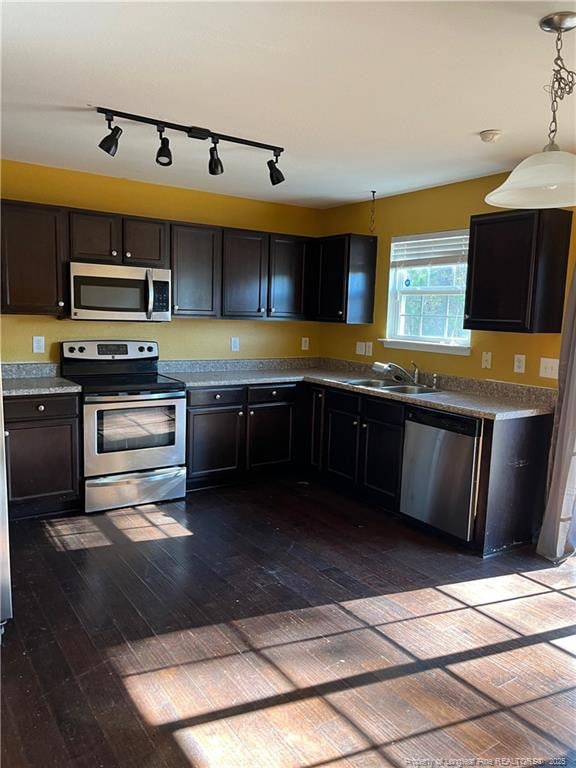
215 167
548 178
276 175
164 155
110 143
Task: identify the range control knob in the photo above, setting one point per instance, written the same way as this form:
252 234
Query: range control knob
81 349
71 350
150 349
141 349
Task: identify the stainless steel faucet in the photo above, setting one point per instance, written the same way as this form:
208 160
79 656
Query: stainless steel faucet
397 373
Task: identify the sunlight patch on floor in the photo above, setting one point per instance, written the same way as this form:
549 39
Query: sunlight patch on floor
74 533
147 524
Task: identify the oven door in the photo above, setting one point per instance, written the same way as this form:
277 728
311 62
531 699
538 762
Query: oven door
127 433
110 292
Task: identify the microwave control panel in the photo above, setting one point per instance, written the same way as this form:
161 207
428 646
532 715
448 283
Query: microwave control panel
161 296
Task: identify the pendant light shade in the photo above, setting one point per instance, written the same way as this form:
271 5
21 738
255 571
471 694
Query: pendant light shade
215 167
164 154
110 143
544 180
276 175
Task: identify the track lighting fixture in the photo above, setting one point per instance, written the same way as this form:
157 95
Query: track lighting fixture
110 143
164 156
215 167
276 175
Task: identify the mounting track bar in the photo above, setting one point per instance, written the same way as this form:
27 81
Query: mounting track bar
194 132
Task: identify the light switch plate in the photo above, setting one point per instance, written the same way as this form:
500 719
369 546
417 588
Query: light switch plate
549 367
360 348
486 359
234 343
38 343
519 363
305 343
368 349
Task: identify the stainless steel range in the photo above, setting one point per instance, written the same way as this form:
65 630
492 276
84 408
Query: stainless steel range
134 423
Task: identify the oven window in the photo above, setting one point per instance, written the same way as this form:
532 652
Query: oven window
131 429
120 295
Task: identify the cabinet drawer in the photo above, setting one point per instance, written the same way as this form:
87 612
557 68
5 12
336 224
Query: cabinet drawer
48 407
216 396
383 410
342 401
270 393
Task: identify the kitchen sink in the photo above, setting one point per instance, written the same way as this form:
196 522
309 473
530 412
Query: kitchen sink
375 383
413 389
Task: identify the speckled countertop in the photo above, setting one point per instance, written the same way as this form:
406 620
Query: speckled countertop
38 385
482 405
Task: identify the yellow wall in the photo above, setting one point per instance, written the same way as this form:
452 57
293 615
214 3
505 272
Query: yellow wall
439 208
202 338
430 210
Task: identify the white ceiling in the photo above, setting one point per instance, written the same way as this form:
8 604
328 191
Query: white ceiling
385 96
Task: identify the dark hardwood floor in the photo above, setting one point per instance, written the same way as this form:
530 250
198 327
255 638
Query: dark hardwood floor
280 624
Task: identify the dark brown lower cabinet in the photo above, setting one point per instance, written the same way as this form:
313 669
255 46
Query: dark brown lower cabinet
43 466
216 442
341 449
270 434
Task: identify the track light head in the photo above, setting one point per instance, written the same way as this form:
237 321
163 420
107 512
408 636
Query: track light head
164 154
110 143
215 167
276 175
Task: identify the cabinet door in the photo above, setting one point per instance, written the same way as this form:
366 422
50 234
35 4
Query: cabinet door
270 434
95 237
333 279
244 274
286 280
145 243
501 271
216 439
341 445
317 428
196 263
33 260
42 465
381 460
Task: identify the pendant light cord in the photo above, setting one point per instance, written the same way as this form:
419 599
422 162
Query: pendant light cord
372 222
563 81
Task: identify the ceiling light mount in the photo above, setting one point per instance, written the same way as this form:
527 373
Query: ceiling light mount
490 135
193 132
548 178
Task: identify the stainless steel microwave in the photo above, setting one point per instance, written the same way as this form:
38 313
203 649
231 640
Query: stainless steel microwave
110 292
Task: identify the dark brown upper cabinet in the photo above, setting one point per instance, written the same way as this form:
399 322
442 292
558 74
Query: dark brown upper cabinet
245 274
286 289
342 271
104 237
517 271
196 270
33 259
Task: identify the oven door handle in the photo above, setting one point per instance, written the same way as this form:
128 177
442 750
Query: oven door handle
150 283
177 395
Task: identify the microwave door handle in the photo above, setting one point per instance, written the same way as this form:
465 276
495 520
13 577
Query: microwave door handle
150 282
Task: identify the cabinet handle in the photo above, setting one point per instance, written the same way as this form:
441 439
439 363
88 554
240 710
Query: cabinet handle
261 309
113 253
466 317
273 309
40 408
60 303
274 392
364 426
340 313
128 255
217 397
251 413
6 433
240 413
354 423
319 396
176 308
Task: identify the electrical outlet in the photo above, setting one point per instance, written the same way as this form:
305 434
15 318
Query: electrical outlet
38 343
360 348
549 367
234 344
305 343
368 349
519 363
486 359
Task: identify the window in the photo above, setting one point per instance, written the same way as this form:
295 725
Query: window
426 292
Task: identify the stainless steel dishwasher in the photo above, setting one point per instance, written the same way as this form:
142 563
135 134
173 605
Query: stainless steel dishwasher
439 470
